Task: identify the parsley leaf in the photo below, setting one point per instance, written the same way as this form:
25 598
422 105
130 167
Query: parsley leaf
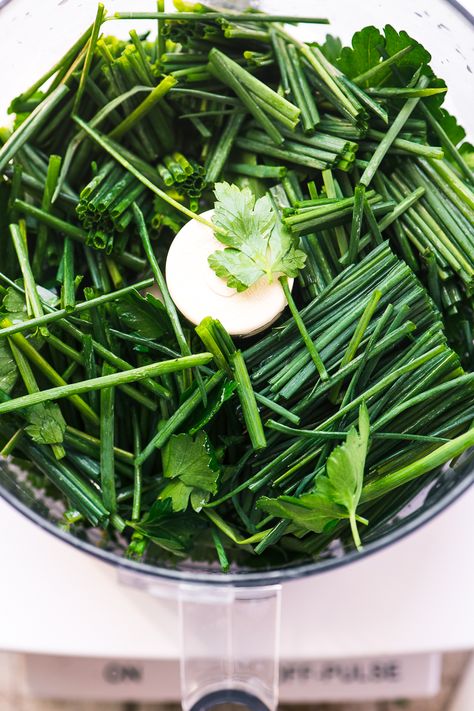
192 465
46 425
345 470
337 494
331 48
364 53
168 530
257 244
214 404
143 315
14 304
309 512
8 369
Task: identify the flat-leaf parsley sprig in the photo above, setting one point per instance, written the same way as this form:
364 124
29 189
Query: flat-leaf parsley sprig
336 494
257 245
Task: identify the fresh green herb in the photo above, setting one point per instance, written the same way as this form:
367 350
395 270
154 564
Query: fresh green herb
335 173
192 466
336 494
256 244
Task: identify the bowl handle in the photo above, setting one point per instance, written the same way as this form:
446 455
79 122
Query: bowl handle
229 646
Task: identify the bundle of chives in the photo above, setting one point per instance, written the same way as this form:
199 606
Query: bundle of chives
153 131
183 174
399 375
316 216
105 205
302 150
262 102
295 83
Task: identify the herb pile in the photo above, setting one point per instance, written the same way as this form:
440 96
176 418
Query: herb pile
334 166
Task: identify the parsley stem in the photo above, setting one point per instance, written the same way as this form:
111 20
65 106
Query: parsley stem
137 468
229 531
78 308
12 443
355 531
48 371
105 381
303 331
31 386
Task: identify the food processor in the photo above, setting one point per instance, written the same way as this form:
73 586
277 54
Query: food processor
229 623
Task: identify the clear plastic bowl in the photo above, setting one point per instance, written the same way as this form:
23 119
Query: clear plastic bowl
35 34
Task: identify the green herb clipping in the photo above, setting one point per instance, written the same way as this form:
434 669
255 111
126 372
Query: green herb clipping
337 494
257 245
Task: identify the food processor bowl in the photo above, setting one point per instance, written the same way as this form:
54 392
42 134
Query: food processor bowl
229 622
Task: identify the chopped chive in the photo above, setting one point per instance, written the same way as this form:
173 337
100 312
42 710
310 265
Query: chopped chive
357 336
30 126
208 16
247 400
178 417
391 135
312 350
359 197
50 373
78 308
109 146
107 463
144 108
428 463
91 45
31 291
68 293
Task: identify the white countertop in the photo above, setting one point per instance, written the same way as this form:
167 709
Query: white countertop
415 596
